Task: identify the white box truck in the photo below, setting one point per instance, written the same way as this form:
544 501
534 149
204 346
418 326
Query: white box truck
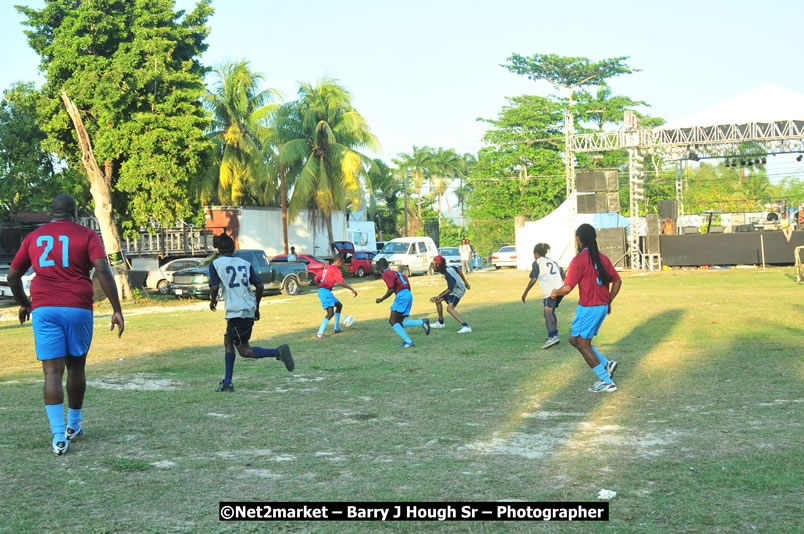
362 234
261 228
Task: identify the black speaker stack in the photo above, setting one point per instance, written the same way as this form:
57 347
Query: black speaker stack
612 242
600 190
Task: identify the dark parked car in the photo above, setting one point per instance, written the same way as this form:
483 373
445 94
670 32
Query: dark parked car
281 276
314 264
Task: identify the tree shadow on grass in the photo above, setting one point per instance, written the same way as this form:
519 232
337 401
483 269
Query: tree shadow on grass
554 400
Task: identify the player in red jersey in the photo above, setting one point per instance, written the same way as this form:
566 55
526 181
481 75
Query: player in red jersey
592 272
62 254
327 278
400 309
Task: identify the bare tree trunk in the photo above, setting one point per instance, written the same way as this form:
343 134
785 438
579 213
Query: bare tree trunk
100 187
329 233
284 207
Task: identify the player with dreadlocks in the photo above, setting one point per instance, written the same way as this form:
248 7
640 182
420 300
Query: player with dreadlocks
592 272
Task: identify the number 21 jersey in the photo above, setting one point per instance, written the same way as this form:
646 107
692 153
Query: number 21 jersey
61 253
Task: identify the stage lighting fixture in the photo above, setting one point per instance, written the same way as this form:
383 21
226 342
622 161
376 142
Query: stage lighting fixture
764 161
799 158
727 164
742 163
756 161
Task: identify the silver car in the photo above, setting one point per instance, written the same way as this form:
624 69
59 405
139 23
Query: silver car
452 255
161 278
5 290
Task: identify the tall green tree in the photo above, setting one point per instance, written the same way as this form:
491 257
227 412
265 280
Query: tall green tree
328 151
28 178
446 166
383 190
569 73
124 85
241 110
416 164
519 172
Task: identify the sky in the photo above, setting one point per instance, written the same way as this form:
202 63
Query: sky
421 73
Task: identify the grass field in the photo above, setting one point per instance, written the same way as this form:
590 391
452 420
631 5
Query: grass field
704 435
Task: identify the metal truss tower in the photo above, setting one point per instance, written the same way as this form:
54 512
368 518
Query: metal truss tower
675 144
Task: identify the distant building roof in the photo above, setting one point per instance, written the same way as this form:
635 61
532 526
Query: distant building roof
32 217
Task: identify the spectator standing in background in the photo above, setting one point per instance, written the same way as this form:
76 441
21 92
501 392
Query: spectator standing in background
466 256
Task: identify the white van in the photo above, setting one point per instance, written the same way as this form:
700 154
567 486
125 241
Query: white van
409 255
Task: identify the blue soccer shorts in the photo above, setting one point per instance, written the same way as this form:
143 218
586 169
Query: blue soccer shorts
60 332
326 297
588 320
403 302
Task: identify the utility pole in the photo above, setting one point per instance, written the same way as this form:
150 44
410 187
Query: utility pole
405 174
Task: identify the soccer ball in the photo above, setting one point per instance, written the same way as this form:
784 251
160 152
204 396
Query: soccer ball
347 321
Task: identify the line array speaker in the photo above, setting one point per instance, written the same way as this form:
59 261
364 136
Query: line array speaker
595 181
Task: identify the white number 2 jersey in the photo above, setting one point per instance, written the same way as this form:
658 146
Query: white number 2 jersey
549 275
235 276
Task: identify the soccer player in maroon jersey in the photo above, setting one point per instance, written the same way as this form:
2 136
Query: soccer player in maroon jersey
400 309
62 254
326 279
593 273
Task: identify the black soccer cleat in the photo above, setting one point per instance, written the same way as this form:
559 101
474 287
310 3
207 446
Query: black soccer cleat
229 388
285 356
426 326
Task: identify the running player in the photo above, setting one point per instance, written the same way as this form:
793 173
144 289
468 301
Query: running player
327 278
236 276
62 254
400 309
456 289
592 272
550 277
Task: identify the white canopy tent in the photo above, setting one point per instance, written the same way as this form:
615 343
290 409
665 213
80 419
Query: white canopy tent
552 229
767 103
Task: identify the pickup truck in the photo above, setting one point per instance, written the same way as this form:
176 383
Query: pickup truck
277 276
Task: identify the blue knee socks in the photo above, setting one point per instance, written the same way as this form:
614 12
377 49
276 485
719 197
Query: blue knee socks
323 327
409 322
260 352
603 360
337 321
401 331
229 359
601 373
55 414
73 418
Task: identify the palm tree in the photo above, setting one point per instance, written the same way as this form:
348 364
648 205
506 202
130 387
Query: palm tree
464 190
239 130
418 164
445 166
603 107
328 134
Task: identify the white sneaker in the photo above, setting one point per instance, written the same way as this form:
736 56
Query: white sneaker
437 325
465 329
551 341
601 387
59 448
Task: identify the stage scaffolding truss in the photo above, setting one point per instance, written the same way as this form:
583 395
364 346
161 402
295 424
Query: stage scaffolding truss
676 144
